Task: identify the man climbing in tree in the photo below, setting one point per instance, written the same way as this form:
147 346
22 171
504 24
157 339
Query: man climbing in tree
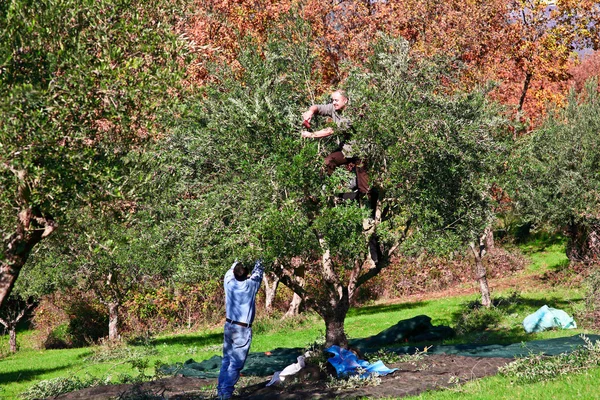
344 154
240 307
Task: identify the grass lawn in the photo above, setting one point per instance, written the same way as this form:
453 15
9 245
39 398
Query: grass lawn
19 371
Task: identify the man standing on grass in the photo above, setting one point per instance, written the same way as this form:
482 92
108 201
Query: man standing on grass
240 307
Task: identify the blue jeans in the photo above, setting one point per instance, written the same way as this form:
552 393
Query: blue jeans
236 344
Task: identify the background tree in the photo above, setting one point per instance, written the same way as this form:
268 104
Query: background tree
539 49
588 68
554 174
33 285
111 258
11 314
81 84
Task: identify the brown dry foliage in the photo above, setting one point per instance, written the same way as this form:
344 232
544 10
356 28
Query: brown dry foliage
71 319
426 273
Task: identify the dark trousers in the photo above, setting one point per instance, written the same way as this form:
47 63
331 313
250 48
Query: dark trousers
337 158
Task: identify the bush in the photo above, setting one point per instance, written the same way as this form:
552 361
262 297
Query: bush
425 273
477 319
590 315
71 319
165 308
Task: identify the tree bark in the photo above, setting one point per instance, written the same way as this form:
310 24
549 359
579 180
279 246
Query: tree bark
490 245
583 243
113 321
16 252
481 272
12 341
9 272
528 77
13 316
32 227
270 290
294 308
334 321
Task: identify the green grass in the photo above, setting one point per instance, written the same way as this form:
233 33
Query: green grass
19 371
544 254
576 386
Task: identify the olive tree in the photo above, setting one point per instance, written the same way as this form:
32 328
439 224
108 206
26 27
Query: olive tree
256 189
81 84
555 174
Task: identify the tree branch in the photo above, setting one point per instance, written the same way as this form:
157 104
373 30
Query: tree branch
383 262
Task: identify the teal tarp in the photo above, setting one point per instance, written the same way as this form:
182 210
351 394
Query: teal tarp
257 364
548 318
549 347
417 329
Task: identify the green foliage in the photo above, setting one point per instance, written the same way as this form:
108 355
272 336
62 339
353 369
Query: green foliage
536 368
73 319
478 319
389 357
592 298
235 170
81 84
434 155
589 315
554 170
57 386
247 186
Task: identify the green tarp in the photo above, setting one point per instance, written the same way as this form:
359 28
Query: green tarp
417 329
549 347
257 364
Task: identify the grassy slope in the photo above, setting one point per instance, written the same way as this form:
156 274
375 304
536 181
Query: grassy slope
20 371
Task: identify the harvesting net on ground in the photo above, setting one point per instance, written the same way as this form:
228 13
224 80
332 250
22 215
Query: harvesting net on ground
416 329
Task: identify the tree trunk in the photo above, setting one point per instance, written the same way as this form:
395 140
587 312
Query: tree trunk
490 245
14 312
113 321
12 332
32 227
584 243
528 77
9 272
294 308
270 290
334 328
481 272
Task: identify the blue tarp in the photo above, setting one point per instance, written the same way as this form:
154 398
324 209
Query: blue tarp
347 363
548 318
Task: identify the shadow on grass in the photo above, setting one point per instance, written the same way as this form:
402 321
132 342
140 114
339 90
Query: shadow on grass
28 374
383 308
554 302
480 325
200 340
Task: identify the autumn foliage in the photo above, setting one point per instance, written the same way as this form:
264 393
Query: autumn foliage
526 46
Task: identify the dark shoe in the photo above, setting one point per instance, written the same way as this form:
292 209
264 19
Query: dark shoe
356 195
